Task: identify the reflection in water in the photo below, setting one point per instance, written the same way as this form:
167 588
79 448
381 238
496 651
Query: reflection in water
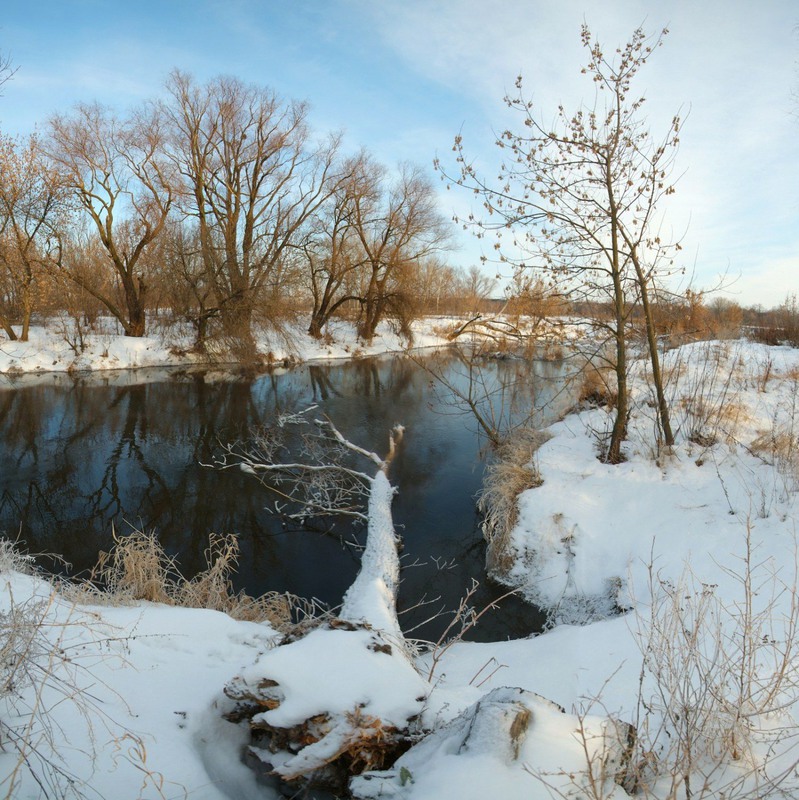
79 457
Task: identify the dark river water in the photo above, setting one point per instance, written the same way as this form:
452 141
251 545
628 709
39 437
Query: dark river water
79 455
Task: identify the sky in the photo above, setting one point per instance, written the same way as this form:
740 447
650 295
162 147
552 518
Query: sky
403 77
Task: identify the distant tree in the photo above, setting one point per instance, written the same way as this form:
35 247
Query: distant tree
437 286
368 242
727 317
333 253
476 287
118 176
529 296
33 212
581 197
398 225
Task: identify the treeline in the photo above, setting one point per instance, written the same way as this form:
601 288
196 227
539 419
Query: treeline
218 206
694 315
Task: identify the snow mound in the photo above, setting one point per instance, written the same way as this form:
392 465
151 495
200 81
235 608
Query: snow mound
511 744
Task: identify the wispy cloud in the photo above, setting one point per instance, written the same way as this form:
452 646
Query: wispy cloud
404 76
730 69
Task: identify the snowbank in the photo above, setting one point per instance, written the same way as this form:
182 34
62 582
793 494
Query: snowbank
146 721
50 349
586 538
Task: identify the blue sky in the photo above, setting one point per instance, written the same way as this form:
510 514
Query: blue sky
402 77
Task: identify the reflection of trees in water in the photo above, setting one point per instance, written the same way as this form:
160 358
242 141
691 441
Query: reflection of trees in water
497 394
81 459
78 458
26 494
322 387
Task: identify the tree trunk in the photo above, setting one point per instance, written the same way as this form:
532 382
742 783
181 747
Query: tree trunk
6 325
654 358
136 323
134 300
315 327
619 433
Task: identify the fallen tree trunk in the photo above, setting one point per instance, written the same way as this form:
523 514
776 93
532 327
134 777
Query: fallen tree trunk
343 698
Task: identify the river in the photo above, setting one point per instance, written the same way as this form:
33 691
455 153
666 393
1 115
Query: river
82 453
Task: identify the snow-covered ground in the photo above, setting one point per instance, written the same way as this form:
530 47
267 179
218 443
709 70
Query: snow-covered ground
698 544
53 348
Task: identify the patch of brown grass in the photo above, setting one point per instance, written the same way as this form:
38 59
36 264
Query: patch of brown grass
597 387
138 568
512 472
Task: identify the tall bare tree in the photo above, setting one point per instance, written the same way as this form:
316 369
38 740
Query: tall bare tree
119 178
475 288
581 199
251 176
333 252
398 225
33 211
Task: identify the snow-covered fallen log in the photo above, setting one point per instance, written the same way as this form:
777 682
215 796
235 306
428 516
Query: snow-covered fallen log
372 598
344 697
344 708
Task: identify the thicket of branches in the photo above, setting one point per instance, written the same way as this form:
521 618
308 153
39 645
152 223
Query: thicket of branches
220 205
580 198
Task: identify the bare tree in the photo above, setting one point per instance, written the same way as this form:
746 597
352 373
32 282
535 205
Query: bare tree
436 285
119 178
251 177
476 287
333 252
398 225
581 198
7 69
32 212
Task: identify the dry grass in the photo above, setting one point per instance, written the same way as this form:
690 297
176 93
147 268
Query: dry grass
138 568
598 386
512 472
44 675
708 421
13 560
706 400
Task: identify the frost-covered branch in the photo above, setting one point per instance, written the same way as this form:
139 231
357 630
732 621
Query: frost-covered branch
320 484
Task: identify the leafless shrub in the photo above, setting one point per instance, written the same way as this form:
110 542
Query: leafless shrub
42 643
512 471
607 746
766 373
718 678
138 568
464 618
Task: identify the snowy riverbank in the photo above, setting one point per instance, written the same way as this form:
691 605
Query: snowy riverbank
699 544
54 349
